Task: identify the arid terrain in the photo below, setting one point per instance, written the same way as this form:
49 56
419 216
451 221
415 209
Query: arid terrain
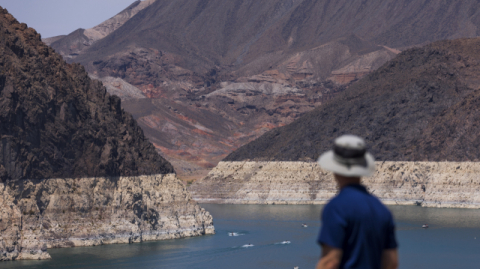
419 115
224 73
420 106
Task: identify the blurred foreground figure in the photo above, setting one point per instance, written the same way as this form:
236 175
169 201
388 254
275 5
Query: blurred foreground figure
357 229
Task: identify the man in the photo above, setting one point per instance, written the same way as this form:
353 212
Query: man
357 229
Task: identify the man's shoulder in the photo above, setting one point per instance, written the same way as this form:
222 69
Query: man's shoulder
353 199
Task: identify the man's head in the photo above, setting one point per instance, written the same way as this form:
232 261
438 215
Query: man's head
349 158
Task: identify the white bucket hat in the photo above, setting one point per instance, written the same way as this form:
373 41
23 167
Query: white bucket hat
349 158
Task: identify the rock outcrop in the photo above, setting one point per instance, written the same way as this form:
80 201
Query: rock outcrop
75 169
432 184
39 214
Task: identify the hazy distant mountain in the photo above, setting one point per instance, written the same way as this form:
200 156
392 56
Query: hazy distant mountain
259 34
69 46
57 122
209 65
421 106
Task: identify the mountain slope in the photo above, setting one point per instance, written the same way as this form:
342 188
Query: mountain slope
420 106
211 59
75 169
239 33
69 46
57 122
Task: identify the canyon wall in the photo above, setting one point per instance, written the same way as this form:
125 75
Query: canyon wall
432 184
75 168
39 214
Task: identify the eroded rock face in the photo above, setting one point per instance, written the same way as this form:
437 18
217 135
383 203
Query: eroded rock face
433 184
55 122
52 213
75 169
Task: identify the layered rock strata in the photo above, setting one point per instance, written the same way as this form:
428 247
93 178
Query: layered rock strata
432 184
39 214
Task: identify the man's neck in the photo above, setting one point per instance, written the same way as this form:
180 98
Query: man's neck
344 181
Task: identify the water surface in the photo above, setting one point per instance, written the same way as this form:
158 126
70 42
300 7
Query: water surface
452 241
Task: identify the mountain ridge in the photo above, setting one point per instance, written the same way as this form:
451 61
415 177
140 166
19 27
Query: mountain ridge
420 106
73 44
180 52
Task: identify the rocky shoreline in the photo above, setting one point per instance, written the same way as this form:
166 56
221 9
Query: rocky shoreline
430 184
39 214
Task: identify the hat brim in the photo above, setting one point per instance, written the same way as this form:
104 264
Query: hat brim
328 162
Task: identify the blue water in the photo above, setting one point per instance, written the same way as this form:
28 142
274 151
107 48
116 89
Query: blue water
448 243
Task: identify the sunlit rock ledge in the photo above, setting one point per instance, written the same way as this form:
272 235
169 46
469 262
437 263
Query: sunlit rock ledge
39 214
432 184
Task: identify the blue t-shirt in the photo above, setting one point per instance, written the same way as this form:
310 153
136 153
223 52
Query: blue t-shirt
359 224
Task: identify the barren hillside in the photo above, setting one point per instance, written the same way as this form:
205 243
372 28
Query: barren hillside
421 106
205 65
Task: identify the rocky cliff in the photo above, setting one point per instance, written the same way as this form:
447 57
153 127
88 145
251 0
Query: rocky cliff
433 184
75 169
39 214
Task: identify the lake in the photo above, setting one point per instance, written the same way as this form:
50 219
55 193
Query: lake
280 241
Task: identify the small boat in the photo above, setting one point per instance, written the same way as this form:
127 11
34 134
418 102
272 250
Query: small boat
247 246
304 225
296 267
233 234
425 226
285 242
